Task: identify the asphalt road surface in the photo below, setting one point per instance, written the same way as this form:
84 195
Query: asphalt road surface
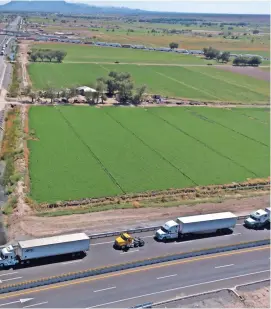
102 253
149 284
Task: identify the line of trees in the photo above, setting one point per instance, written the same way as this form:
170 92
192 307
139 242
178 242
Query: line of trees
212 53
117 84
47 54
244 61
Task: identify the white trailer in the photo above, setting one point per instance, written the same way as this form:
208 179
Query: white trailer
201 224
33 249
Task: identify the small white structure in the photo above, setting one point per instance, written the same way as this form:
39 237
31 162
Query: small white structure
83 89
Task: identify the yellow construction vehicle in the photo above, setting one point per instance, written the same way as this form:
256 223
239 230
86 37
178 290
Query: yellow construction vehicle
126 241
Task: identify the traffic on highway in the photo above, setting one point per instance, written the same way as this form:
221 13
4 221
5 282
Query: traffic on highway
132 287
102 253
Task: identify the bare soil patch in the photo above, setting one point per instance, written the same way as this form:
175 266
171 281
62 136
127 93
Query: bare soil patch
258 297
249 71
34 226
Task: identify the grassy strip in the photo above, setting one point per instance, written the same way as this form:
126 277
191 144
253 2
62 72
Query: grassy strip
160 202
10 153
14 87
9 205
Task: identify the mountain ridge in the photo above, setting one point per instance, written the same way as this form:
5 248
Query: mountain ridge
62 7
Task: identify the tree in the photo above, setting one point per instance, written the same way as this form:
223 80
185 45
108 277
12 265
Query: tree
40 54
50 92
125 91
33 95
49 55
101 89
33 57
240 61
210 52
173 45
114 81
60 55
254 61
137 98
225 57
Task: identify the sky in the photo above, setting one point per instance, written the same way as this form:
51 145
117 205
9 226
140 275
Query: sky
191 6
215 6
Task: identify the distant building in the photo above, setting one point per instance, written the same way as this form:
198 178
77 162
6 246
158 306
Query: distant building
83 89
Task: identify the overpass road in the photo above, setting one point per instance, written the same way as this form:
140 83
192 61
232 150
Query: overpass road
102 253
149 284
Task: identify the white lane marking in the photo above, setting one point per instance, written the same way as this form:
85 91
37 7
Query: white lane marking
179 288
22 300
70 262
101 243
10 279
38 304
239 224
130 251
111 242
224 266
113 287
166 276
15 272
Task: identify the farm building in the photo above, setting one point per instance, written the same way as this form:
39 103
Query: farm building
83 89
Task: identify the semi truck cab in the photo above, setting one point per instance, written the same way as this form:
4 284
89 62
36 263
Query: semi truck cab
8 256
258 218
169 230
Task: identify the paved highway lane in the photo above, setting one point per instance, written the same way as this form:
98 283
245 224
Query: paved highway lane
102 253
150 284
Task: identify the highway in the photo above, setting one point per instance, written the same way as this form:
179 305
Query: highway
102 253
149 284
5 69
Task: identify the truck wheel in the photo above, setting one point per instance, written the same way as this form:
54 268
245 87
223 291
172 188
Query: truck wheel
141 243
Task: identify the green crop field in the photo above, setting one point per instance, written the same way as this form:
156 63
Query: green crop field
93 152
86 53
199 83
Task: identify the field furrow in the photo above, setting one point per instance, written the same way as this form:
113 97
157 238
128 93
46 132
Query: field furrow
133 164
197 161
236 122
249 155
81 151
61 167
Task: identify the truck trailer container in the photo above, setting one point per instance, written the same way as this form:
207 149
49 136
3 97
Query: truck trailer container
40 248
201 224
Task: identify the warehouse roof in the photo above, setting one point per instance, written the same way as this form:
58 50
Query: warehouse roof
209 217
52 240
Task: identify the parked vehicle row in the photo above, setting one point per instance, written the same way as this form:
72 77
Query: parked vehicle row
78 244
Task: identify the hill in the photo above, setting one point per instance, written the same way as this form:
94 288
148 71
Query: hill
62 7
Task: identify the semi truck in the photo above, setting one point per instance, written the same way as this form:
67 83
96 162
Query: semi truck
28 251
201 224
258 218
